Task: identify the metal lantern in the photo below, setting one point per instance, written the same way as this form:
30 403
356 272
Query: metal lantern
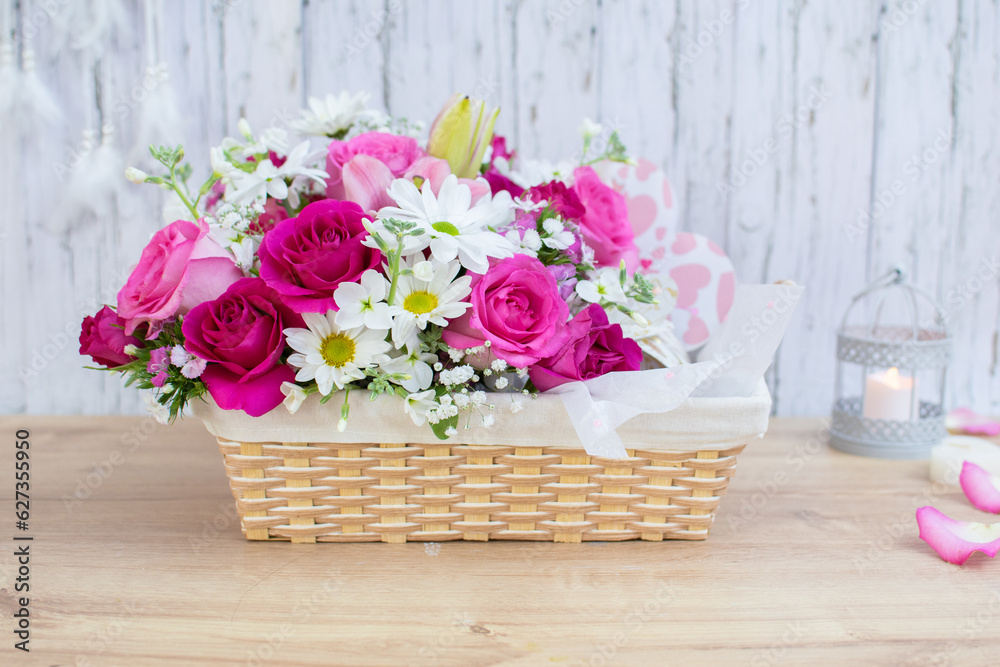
889 395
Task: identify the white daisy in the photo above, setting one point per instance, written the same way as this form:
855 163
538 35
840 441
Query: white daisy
363 304
331 355
415 364
435 301
453 226
331 115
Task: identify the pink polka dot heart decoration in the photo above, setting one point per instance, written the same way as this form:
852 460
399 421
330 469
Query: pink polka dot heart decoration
703 273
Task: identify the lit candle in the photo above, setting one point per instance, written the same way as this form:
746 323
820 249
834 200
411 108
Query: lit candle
890 396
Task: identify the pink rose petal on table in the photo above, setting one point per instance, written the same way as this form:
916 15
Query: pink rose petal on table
968 421
955 540
980 487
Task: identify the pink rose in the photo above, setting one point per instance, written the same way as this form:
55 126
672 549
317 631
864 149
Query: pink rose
594 348
605 224
241 335
180 268
361 169
103 339
516 306
305 258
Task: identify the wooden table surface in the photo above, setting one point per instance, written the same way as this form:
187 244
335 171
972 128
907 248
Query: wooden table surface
138 559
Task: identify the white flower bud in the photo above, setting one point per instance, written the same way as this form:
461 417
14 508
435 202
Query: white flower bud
137 176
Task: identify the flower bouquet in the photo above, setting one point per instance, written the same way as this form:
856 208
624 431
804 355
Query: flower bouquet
444 281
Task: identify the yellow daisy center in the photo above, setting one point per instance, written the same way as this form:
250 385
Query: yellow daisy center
337 350
420 302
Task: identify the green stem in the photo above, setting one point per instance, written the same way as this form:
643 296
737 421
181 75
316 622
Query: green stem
180 193
394 267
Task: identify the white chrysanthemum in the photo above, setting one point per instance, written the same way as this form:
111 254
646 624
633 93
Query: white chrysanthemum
331 115
269 180
363 304
415 364
453 226
419 302
331 355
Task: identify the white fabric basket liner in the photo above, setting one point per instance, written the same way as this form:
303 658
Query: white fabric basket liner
704 423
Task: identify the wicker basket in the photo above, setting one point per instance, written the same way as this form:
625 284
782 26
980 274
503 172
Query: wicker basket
297 478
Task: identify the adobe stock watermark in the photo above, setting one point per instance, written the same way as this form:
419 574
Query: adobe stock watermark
902 526
913 169
226 517
42 14
757 157
101 471
42 356
775 653
101 640
633 621
794 461
899 15
275 640
366 33
708 33
970 627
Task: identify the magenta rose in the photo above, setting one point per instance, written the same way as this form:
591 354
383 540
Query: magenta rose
240 334
564 201
594 348
180 268
605 224
305 258
103 338
361 169
517 308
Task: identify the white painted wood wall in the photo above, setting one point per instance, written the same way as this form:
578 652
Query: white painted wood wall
699 87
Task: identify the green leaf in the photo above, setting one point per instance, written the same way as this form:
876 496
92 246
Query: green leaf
443 425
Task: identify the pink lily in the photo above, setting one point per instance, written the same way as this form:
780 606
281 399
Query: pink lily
980 487
366 180
955 540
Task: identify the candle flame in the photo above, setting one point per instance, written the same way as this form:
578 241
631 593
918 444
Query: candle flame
892 377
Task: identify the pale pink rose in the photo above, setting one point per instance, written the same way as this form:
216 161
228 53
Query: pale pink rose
179 268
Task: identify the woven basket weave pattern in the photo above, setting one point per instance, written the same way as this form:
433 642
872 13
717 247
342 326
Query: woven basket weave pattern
315 492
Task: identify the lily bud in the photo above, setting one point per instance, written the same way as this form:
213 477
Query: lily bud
460 134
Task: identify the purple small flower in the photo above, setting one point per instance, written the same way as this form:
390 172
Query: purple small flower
159 362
